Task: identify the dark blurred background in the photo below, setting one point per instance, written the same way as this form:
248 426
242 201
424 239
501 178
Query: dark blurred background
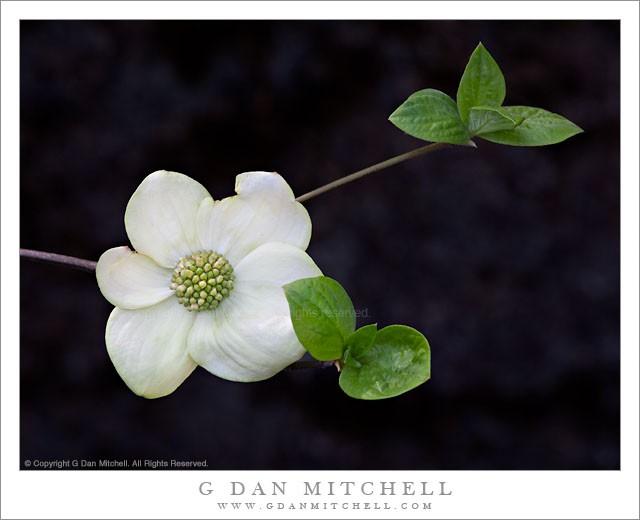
507 259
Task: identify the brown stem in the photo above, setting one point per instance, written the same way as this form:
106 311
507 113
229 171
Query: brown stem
375 168
300 365
53 258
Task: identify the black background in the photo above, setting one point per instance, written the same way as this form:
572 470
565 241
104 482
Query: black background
507 259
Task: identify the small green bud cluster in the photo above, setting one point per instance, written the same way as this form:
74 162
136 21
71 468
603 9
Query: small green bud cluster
202 280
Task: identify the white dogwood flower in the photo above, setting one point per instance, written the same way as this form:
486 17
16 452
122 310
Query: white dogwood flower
204 284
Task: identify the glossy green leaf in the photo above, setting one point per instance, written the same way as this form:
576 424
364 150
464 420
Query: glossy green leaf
398 361
538 128
359 343
484 120
482 83
322 314
431 115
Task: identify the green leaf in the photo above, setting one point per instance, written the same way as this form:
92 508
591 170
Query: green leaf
538 128
398 361
431 115
483 120
482 83
358 344
322 314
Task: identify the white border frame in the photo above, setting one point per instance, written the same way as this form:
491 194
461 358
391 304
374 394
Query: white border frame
479 494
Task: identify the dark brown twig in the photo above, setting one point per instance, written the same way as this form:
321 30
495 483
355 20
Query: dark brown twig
375 168
53 258
299 365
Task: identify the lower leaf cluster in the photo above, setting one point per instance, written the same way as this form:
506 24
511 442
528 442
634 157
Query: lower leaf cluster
374 364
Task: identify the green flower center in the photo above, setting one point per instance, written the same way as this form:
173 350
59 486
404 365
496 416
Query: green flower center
202 280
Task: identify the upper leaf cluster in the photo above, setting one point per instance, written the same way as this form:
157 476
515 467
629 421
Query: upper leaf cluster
433 116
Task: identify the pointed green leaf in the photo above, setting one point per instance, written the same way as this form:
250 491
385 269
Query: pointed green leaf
322 314
482 83
484 120
398 361
538 128
358 344
431 115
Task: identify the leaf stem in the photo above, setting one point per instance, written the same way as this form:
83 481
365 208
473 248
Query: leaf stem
53 258
299 365
375 168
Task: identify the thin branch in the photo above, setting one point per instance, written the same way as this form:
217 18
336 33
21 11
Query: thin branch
53 258
375 168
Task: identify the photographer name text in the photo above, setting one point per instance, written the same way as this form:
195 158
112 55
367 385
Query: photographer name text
328 488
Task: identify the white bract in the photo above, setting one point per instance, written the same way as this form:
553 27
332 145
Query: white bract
204 284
